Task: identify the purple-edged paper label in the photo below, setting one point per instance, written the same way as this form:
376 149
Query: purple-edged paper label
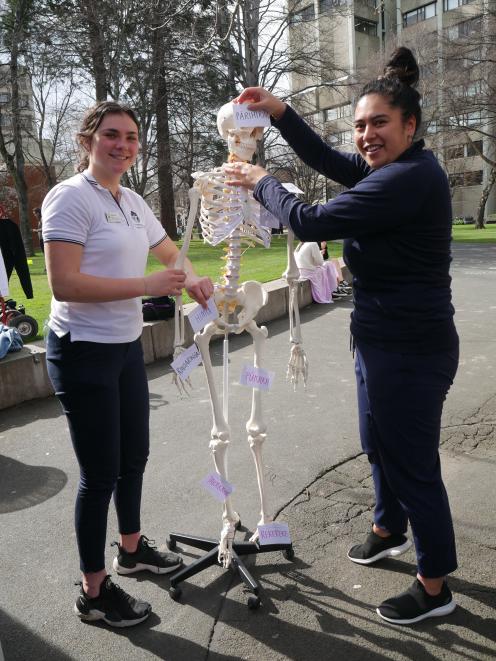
244 117
200 316
217 486
186 362
256 377
273 533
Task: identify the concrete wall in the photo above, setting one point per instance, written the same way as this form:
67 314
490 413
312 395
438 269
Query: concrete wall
23 375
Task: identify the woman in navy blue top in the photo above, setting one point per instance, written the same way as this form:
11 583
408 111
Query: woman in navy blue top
396 221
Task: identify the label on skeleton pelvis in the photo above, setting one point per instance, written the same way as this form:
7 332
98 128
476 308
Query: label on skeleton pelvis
186 362
244 117
217 486
199 316
273 533
256 377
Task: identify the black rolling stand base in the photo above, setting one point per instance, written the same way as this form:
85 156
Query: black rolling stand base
210 558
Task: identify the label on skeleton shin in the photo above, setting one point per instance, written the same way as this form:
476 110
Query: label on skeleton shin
256 377
273 533
217 486
244 117
199 317
186 362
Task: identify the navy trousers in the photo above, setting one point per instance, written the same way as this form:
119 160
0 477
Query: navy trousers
103 390
400 401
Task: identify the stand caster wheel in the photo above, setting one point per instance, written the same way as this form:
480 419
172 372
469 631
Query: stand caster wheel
175 593
171 544
289 554
253 602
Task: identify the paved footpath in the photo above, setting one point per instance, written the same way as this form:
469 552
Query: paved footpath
317 606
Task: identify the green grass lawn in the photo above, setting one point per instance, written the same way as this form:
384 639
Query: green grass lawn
257 264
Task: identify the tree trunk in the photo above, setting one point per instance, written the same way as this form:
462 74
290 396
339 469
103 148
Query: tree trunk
97 49
164 167
479 219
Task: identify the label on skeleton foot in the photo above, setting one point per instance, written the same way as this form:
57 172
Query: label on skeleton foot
186 362
199 316
256 377
244 117
273 533
217 486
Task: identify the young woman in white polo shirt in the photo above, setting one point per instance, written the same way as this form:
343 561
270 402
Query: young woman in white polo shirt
97 238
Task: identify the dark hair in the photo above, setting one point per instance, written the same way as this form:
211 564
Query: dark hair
92 120
398 83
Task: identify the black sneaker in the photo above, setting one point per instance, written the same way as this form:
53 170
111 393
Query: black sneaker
146 556
416 605
375 548
338 296
113 606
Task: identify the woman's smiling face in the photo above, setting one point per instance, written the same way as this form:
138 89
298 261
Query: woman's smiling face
381 133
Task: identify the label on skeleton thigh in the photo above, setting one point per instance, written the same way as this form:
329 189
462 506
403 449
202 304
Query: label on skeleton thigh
199 316
256 377
244 117
186 362
217 486
273 533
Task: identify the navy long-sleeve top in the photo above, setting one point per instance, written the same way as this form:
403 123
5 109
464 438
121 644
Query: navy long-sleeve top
396 222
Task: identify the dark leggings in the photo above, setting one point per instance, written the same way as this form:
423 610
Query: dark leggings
103 390
400 402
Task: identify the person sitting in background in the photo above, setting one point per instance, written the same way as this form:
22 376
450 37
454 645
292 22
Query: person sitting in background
322 275
344 288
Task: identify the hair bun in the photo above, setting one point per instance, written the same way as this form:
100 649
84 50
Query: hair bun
402 65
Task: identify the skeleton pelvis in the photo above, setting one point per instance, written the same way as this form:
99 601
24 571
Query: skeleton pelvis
249 297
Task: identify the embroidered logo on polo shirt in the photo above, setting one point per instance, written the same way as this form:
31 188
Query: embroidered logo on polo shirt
113 217
136 220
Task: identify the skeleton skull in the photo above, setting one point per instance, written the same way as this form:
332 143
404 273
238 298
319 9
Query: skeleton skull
241 142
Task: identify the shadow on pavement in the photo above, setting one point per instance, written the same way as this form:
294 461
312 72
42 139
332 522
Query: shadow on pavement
19 642
23 486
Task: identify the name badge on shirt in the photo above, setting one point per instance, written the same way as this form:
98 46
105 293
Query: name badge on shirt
137 222
113 217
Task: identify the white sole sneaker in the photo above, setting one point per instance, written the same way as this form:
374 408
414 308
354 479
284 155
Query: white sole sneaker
393 552
436 612
123 571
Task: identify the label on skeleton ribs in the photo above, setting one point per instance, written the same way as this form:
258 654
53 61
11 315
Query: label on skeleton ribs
273 533
217 486
244 117
256 377
199 316
186 362
268 220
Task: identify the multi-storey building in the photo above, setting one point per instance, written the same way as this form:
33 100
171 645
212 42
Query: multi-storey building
449 38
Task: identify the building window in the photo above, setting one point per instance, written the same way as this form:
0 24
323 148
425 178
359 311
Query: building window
454 4
340 138
465 28
4 97
5 121
419 14
366 26
473 178
305 14
338 112
474 148
454 152
329 5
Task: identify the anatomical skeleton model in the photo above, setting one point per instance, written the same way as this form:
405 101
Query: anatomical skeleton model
232 215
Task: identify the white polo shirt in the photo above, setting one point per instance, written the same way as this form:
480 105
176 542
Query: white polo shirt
116 239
